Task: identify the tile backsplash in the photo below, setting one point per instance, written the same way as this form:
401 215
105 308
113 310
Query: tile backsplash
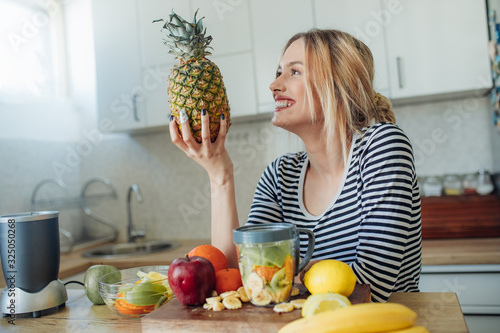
448 137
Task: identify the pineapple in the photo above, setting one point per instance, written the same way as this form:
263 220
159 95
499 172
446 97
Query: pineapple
196 82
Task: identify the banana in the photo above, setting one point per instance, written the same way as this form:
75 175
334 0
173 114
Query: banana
231 293
211 300
207 306
218 306
295 291
264 297
367 317
283 307
254 283
414 329
298 303
243 294
231 303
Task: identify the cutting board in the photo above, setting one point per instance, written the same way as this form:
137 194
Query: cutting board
175 317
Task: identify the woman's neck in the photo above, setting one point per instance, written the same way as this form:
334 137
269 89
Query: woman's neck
321 160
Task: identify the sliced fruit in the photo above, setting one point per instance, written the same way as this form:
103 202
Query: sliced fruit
254 284
266 272
263 297
231 302
283 307
243 294
145 294
298 303
318 303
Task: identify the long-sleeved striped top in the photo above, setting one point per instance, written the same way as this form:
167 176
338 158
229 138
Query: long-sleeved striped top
372 223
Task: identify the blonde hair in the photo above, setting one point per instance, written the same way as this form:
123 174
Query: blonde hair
339 82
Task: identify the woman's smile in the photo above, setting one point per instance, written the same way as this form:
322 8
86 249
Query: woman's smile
282 103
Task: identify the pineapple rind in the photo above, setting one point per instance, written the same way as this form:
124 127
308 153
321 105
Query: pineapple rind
196 85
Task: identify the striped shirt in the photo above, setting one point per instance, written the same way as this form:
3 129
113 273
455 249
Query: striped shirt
372 223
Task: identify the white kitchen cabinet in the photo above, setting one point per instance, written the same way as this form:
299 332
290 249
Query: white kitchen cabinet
366 25
273 23
238 76
156 62
476 287
436 47
117 63
153 51
228 22
133 64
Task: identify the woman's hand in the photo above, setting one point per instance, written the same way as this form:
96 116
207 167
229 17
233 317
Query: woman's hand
212 156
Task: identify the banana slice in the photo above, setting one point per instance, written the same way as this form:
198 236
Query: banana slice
211 300
295 291
254 283
207 306
263 297
243 294
232 293
298 303
283 307
232 303
218 306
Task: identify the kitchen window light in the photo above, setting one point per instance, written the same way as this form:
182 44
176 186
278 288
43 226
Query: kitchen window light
32 61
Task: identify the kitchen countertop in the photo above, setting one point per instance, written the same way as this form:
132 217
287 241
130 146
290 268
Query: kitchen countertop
471 251
438 312
80 315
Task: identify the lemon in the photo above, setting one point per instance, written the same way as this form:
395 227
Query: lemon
322 302
330 276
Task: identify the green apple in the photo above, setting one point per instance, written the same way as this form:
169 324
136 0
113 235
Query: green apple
90 281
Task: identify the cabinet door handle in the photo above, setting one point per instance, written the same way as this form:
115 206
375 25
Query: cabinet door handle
134 106
399 62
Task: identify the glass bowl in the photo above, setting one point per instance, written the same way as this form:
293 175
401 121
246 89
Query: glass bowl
135 292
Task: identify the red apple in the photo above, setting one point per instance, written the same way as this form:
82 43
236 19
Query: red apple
192 279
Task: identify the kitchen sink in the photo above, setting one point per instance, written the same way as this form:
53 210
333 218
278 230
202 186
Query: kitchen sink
130 249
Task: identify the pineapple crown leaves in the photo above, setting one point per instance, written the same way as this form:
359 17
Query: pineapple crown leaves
186 40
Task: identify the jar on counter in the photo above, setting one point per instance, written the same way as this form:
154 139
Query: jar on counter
432 186
470 184
452 185
484 183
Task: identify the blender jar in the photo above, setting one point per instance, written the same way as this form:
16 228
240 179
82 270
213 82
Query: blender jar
268 256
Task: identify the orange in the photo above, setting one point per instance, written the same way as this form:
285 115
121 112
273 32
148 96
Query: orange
228 279
213 254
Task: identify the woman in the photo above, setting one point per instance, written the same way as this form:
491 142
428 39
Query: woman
355 185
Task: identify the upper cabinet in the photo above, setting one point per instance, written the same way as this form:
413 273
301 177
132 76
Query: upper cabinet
421 49
363 24
273 23
436 47
120 94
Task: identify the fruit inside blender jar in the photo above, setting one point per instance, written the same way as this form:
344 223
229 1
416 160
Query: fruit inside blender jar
267 271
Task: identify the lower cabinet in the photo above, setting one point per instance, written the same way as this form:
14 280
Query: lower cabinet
477 288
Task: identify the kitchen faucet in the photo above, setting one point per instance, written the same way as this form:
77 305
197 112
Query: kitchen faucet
133 234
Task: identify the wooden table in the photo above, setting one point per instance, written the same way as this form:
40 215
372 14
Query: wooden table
438 312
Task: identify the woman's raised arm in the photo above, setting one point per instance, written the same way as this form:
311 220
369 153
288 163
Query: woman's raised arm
214 158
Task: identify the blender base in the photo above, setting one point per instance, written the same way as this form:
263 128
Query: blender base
17 301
